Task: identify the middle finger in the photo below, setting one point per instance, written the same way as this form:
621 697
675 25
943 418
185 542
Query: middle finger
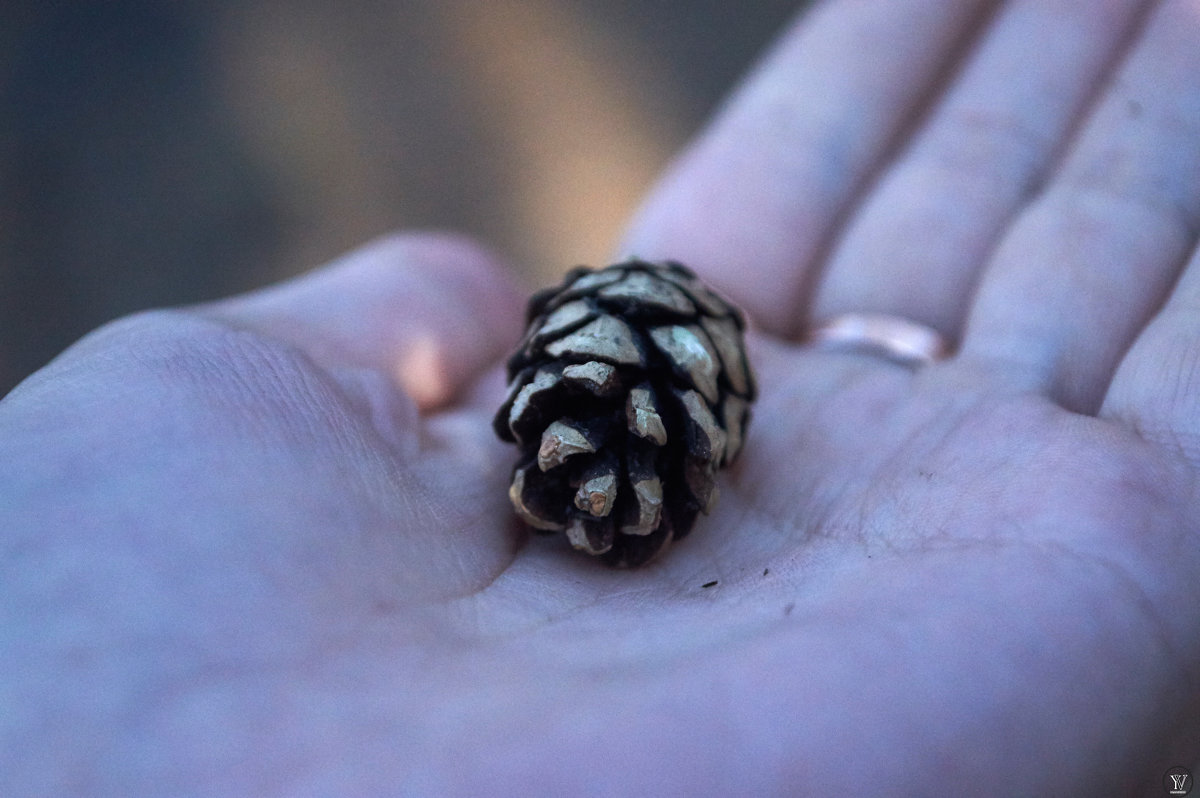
752 204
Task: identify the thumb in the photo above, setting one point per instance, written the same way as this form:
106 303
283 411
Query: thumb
430 311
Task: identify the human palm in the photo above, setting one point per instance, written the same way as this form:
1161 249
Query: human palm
264 546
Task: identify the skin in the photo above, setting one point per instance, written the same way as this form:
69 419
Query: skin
263 546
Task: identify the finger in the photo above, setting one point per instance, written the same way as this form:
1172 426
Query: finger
430 311
1085 266
916 247
1156 388
753 202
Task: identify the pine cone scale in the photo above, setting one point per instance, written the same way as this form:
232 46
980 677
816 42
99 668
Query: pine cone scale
536 401
705 438
725 337
598 495
564 439
600 379
734 411
642 415
585 282
565 318
690 356
605 338
646 508
531 504
649 295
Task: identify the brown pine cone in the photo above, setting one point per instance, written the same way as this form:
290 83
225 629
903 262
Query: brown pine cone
629 390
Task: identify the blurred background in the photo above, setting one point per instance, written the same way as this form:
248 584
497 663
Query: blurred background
158 153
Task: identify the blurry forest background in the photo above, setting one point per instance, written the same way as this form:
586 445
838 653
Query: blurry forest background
160 152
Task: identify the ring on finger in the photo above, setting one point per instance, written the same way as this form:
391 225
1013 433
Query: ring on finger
894 338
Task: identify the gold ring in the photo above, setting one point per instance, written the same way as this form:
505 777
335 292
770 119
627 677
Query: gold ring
892 337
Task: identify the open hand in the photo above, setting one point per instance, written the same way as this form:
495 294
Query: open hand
264 546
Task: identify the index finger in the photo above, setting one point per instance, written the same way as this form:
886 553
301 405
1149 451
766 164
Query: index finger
752 204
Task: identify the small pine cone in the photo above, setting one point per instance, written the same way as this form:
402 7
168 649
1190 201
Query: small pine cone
629 390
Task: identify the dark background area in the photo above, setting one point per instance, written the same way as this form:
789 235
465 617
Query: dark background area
162 153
